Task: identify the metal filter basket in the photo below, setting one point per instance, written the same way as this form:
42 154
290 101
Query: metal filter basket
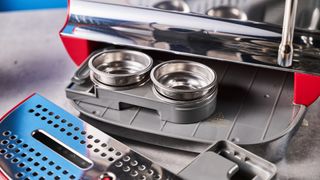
184 80
119 67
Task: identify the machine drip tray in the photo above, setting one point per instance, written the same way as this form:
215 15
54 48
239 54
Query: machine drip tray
254 109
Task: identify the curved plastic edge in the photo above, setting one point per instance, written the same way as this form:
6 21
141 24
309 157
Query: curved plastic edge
306 88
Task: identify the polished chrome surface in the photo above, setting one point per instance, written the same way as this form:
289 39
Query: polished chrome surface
183 80
285 53
23 156
228 13
191 34
119 67
173 5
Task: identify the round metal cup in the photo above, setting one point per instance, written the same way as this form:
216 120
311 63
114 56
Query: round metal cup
228 13
119 68
173 5
183 80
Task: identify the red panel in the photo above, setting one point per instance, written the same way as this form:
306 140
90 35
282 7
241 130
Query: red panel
306 89
3 176
78 49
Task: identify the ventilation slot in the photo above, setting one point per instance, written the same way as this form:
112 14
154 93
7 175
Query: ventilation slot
13 150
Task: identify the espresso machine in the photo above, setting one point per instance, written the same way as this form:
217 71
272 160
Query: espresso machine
228 79
264 54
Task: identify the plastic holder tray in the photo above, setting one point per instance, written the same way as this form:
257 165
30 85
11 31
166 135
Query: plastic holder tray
254 109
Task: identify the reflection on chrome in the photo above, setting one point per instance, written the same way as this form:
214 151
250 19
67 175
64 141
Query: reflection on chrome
192 34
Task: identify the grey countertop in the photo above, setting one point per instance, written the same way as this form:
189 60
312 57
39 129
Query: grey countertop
33 59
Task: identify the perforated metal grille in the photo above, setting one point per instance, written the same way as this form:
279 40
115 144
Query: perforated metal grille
25 157
28 160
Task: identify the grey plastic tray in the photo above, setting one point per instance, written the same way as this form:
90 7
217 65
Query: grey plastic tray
254 110
39 140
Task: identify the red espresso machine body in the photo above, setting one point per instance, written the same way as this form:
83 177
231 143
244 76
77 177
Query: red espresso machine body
193 32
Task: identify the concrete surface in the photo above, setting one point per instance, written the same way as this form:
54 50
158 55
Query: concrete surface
33 59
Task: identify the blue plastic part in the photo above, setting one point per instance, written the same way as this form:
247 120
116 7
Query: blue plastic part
13 5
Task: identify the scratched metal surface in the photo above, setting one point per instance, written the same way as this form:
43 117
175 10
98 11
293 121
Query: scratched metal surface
32 59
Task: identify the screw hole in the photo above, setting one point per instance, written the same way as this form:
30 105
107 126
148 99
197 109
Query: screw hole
13 137
6 133
15 160
8 156
235 140
19 175
25 145
69 133
23 155
4 142
21 165
96 150
17 150
103 145
28 169
2 151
